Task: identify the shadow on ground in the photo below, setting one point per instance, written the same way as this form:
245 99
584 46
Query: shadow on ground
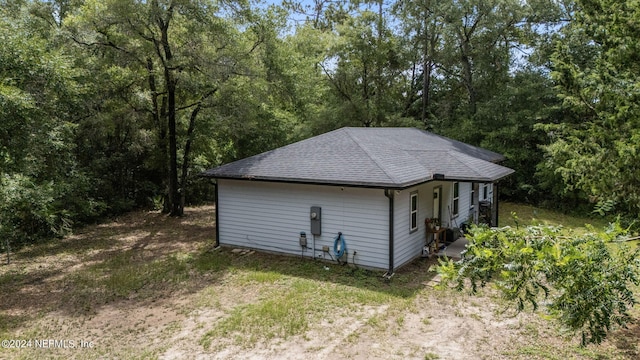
147 257
406 282
135 256
626 340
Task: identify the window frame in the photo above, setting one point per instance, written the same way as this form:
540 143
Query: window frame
456 199
413 212
473 197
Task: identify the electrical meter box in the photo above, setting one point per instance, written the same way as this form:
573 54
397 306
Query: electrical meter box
316 220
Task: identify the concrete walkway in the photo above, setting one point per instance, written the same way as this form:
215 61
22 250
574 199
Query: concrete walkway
454 249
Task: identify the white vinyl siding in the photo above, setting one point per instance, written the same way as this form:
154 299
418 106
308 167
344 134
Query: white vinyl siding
270 216
408 245
464 203
486 192
465 200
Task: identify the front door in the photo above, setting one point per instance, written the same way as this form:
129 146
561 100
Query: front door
437 202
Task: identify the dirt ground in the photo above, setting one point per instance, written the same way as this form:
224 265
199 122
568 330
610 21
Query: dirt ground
37 302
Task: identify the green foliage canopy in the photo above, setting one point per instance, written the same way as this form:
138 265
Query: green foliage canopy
596 67
115 104
41 187
584 280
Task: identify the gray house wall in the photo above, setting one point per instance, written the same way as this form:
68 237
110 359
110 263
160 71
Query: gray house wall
269 216
408 245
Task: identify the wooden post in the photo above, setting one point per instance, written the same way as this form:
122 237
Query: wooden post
494 205
476 202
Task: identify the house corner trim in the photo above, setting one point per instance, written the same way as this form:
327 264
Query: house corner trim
390 194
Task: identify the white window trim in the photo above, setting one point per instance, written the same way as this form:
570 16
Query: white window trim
473 196
454 199
485 192
412 211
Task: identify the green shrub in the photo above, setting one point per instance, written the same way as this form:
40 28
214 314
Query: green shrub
585 279
31 211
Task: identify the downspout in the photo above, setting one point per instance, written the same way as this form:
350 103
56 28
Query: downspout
389 193
217 202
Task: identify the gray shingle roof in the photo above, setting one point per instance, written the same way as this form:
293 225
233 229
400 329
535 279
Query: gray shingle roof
373 157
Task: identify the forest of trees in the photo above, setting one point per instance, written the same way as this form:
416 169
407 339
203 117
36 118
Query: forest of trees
111 105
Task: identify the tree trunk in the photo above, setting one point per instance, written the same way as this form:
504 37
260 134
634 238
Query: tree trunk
170 83
174 191
427 68
187 147
467 76
158 114
185 157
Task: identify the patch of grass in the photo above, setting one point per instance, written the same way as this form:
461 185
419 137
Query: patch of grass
531 330
10 278
123 275
431 356
530 215
207 297
212 261
551 352
536 352
376 322
457 312
289 307
262 277
8 323
281 316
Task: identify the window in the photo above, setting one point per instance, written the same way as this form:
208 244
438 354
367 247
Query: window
485 192
473 196
456 198
414 211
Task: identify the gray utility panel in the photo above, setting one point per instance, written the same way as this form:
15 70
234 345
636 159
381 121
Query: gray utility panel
316 220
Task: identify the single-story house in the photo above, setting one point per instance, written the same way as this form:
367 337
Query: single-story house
375 186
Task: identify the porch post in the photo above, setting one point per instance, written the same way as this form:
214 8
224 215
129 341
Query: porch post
494 205
476 202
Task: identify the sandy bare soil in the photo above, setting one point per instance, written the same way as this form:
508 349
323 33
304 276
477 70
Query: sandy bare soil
40 300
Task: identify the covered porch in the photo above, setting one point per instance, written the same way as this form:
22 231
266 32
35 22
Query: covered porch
451 207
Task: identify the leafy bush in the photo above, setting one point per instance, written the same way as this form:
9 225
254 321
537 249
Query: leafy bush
26 211
31 211
584 279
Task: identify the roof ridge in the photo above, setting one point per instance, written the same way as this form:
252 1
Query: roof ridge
498 157
393 178
457 155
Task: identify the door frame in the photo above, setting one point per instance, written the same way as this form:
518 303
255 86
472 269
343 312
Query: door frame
438 190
